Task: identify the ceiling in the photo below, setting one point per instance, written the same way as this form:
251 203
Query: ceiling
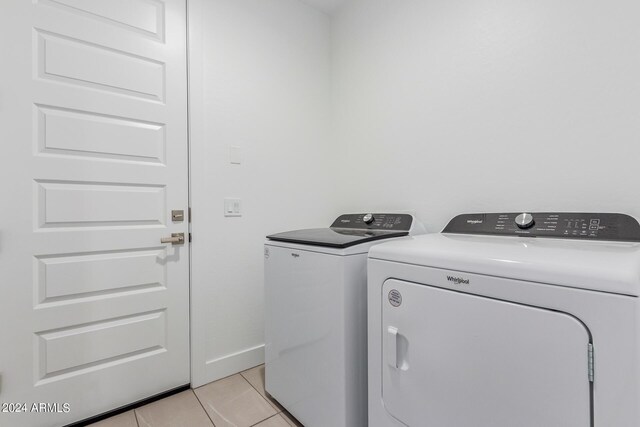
327 6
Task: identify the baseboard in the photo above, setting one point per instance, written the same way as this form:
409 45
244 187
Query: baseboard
230 364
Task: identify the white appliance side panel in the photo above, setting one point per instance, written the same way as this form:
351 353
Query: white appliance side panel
454 359
305 334
355 340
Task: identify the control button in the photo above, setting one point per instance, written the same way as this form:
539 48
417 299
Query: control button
524 221
368 218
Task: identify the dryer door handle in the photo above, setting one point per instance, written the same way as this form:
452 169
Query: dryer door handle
392 347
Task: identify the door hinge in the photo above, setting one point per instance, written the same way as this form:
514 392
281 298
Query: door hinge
590 362
189 237
189 214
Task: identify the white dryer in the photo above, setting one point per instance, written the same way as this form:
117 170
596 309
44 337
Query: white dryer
503 320
316 316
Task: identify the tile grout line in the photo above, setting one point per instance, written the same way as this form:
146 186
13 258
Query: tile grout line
266 419
202 406
135 415
278 411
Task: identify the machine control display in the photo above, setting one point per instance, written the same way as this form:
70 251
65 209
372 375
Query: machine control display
586 226
374 221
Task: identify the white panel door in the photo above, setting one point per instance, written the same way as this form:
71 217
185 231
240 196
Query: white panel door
94 310
451 359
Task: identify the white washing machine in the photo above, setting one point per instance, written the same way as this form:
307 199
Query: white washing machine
503 320
316 319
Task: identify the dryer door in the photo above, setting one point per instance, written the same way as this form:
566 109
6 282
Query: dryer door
452 359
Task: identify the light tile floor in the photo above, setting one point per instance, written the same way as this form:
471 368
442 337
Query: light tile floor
236 401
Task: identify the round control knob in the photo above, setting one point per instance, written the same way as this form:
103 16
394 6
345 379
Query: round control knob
525 220
368 218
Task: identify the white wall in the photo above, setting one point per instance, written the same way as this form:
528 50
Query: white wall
260 80
443 107
436 107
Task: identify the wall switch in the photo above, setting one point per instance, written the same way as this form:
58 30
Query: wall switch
232 207
235 155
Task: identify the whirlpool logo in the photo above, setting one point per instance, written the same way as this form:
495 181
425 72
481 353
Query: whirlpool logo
458 280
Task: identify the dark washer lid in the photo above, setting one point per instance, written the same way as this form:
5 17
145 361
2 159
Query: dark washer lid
350 229
333 237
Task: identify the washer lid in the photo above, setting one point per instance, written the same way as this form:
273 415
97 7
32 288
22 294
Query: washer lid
350 230
334 237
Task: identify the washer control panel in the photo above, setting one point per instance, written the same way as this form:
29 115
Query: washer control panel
568 225
374 221
525 220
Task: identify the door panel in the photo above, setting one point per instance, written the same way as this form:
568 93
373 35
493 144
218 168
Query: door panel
85 64
451 359
80 133
145 16
93 126
102 342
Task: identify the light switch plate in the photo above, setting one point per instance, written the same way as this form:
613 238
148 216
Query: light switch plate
235 155
232 207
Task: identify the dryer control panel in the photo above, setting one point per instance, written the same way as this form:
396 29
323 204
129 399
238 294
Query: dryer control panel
567 225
